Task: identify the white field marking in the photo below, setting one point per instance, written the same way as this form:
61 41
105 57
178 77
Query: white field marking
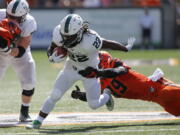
30 133
110 131
137 62
127 131
10 120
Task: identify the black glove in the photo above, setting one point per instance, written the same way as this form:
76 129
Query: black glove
4 45
76 93
89 72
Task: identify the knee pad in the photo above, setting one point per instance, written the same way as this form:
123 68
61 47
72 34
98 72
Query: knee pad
28 92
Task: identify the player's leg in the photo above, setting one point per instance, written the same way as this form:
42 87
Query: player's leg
93 93
170 97
64 81
173 108
62 84
4 63
25 69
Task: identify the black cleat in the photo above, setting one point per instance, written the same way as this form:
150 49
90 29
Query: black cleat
24 114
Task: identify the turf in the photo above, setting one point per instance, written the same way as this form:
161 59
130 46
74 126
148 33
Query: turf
46 73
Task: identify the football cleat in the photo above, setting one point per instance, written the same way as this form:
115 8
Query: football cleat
34 125
24 118
110 102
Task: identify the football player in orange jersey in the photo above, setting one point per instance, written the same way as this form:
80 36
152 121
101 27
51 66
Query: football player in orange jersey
127 83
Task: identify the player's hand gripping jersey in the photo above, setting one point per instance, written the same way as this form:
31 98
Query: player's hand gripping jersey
133 85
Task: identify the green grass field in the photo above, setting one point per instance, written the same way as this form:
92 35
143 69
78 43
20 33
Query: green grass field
46 73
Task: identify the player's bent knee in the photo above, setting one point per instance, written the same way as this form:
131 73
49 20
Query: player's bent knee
28 93
93 104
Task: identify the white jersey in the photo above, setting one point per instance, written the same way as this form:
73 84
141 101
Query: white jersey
27 27
25 65
86 52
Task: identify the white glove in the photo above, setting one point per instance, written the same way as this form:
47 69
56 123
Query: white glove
56 58
158 73
130 44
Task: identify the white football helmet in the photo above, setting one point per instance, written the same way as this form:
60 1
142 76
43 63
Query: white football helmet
71 30
17 9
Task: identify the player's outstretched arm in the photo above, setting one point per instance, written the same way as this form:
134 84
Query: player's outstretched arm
110 44
112 72
91 72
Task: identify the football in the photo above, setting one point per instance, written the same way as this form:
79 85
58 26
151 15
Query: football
60 51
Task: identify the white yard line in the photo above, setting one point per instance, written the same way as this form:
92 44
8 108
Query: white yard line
78 118
127 131
110 131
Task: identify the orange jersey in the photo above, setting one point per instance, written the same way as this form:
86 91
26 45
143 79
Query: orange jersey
134 85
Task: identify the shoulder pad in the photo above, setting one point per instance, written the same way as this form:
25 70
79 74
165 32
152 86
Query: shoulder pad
28 26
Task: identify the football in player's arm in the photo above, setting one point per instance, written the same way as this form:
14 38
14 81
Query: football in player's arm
127 83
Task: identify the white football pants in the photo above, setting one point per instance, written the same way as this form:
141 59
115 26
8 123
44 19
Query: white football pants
24 68
65 79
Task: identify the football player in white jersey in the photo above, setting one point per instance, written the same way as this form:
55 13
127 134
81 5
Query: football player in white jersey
82 45
19 56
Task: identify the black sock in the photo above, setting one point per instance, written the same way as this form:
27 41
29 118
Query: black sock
24 109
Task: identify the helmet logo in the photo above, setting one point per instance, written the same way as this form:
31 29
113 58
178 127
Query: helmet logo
66 28
15 6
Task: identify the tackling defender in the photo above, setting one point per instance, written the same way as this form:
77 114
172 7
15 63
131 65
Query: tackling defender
127 83
19 56
82 45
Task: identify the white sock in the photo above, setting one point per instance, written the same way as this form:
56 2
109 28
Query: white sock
103 99
39 118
